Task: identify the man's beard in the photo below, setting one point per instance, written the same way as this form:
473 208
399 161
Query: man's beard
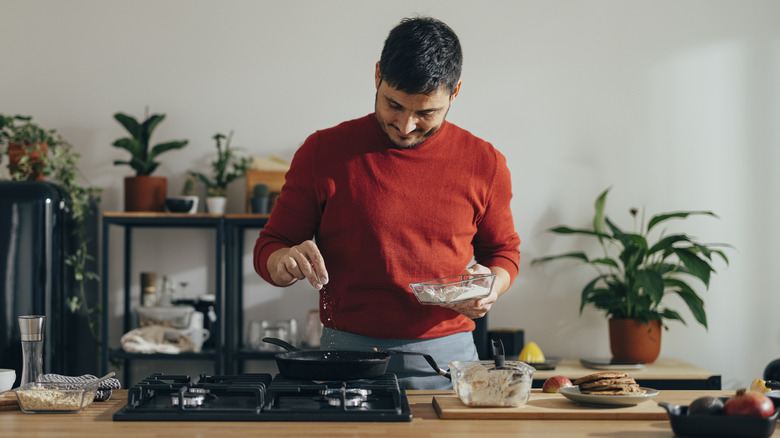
386 129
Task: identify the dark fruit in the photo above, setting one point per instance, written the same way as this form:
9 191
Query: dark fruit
706 406
749 404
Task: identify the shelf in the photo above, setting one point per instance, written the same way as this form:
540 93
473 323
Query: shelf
206 354
228 304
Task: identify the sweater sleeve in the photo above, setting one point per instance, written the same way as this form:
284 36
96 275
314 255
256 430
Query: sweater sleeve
496 242
296 214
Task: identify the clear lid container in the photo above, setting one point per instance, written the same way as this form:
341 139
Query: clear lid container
481 383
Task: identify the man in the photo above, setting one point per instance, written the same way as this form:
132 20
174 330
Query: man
392 198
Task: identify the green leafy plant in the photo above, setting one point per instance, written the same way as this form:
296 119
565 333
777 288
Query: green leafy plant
189 187
142 158
228 167
260 190
32 143
635 274
63 168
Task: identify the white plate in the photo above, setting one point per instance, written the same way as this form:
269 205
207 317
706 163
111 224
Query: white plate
605 364
573 394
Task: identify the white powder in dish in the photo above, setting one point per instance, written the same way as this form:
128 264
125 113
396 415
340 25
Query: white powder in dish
451 294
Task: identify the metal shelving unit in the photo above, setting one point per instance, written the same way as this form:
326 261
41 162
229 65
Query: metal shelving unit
130 221
235 351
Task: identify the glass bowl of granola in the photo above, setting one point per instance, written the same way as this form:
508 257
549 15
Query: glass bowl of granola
55 397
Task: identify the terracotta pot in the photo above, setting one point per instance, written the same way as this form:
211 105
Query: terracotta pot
145 193
16 151
634 341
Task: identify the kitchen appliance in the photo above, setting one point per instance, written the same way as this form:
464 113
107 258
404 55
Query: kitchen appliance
32 269
338 365
261 397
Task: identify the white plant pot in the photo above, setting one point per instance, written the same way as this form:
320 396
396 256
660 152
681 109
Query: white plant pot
216 204
195 200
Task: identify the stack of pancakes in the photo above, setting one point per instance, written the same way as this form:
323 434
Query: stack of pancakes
608 383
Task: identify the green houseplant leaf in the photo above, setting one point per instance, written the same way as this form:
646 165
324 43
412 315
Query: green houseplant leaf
637 270
226 168
142 158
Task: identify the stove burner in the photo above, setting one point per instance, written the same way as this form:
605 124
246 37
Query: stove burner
262 397
352 397
189 397
188 400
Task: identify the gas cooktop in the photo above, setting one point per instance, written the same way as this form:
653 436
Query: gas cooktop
261 397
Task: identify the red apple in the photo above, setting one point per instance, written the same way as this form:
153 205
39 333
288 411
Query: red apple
749 404
553 383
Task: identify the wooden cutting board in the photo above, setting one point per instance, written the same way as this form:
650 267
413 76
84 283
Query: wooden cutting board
546 406
8 401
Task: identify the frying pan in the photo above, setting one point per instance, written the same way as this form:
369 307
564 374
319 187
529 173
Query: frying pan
338 365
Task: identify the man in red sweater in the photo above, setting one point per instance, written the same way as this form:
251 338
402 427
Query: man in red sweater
392 198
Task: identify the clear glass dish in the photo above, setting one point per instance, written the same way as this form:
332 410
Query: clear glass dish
480 383
454 289
55 397
167 316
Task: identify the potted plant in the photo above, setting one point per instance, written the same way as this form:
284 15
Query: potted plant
27 146
260 199
635 274
227 167
144 192
189 192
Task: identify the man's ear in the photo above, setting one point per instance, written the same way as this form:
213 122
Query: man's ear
377 75
454 93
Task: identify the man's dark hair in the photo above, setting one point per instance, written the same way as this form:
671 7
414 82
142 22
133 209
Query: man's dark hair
420 55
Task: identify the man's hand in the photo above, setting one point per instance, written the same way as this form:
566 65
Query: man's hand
288 265
478 308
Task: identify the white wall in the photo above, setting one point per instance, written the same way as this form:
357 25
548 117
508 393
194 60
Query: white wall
676 104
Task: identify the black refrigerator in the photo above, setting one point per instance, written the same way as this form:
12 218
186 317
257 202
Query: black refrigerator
33 239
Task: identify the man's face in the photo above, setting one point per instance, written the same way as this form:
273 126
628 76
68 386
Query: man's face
409 119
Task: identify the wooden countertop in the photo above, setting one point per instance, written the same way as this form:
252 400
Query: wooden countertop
96 421
662 369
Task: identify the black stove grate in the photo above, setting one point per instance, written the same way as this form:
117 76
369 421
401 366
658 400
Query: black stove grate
258 397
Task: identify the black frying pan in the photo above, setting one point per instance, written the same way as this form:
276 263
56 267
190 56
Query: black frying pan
337 365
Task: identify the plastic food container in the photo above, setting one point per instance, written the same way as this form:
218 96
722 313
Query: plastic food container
166 316
480 383
454 289
50 397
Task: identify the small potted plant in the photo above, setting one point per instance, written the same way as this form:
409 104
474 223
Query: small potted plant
189 192
144 192
635 274
27 147
227 167
187 202
260 199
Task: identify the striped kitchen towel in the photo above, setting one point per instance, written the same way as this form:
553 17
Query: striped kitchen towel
104 388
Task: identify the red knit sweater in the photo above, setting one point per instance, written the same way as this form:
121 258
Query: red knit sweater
385 217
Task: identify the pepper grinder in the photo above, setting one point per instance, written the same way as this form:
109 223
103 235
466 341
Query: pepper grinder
31 328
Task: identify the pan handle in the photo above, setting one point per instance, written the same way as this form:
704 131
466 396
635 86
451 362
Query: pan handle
280 343
428 359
